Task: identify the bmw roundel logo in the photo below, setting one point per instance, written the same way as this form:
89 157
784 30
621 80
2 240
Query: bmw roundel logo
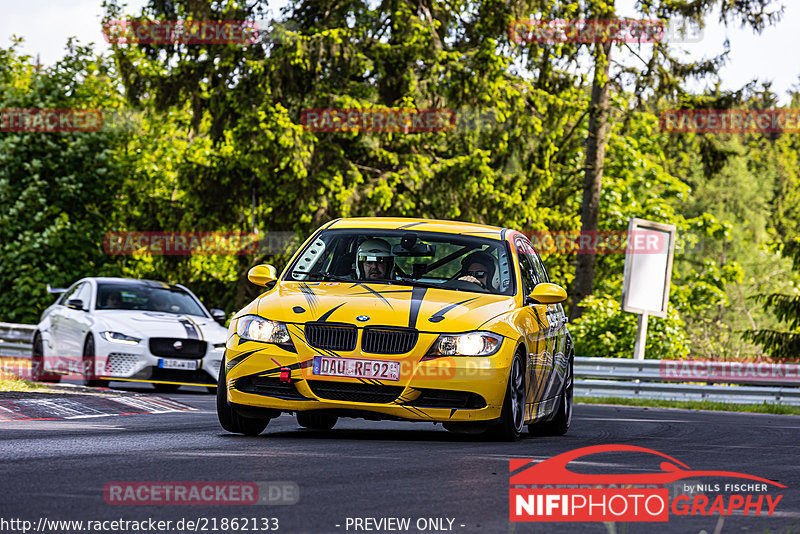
362 318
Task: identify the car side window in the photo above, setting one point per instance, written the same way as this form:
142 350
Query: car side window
68 294
525 266
538 266
84 294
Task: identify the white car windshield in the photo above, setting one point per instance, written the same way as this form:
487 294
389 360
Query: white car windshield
447 261
139 296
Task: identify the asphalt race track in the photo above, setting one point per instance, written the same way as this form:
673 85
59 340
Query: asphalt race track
57 470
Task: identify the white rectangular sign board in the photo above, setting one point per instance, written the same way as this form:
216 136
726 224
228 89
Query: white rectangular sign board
648 267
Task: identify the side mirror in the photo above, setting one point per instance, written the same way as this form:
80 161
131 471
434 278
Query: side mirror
218 315
75 304
546 293
261 275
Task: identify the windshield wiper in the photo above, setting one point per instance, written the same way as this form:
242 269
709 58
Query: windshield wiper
325 276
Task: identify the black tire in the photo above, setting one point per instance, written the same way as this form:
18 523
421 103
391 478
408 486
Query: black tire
512 417
316 421
166 388
559 424
228 418
89 365
37 362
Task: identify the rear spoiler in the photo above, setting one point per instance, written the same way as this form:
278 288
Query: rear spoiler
55 290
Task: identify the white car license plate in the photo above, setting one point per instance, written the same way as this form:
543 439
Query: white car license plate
190 365
355 368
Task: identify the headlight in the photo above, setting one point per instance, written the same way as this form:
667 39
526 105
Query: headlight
257 328
470 344
116 337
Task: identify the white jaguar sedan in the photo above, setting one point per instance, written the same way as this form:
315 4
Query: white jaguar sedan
132 330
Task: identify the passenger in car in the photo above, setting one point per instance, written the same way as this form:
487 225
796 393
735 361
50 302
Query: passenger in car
478 268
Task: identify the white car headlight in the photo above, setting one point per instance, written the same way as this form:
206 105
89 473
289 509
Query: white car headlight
469 344
116 337
257 328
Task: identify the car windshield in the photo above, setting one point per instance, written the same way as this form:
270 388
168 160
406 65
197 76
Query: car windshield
122 296
447 261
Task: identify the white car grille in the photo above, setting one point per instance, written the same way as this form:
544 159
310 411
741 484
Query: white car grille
120 363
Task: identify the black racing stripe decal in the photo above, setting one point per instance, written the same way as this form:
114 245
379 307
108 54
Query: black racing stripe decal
328 313
415 411
191 330
417 294
196 326
230 364
452 412
372 291
310 296
409 225
290 348
439 315
384 292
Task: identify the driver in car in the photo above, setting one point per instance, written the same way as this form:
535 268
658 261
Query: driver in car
374 260
160 303
113 300
478 268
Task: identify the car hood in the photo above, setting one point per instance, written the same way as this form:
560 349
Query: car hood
362 304
145 324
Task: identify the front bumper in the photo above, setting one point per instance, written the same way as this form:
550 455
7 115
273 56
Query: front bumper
117 361
445 389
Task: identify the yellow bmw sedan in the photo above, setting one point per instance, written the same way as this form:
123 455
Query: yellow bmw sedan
405 319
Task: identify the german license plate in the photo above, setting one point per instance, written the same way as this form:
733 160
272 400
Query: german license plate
355 368
189 365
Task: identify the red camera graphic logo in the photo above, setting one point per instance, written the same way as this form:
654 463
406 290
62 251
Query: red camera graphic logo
538 492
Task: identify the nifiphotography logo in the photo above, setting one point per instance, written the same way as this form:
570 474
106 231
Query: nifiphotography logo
548 491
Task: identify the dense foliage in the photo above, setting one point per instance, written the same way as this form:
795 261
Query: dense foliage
209 138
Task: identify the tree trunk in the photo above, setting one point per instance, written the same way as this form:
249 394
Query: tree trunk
593 177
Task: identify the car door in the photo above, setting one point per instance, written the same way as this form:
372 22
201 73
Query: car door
56 331
75 323
540 362
557 341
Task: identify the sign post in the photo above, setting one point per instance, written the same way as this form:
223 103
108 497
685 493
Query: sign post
648 269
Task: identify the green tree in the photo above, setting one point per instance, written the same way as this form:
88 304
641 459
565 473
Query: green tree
56 189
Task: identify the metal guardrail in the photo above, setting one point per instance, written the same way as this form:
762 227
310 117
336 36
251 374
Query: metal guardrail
594 377
16 339
652 379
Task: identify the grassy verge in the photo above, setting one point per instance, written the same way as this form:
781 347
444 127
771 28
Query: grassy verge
695 405
9 382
